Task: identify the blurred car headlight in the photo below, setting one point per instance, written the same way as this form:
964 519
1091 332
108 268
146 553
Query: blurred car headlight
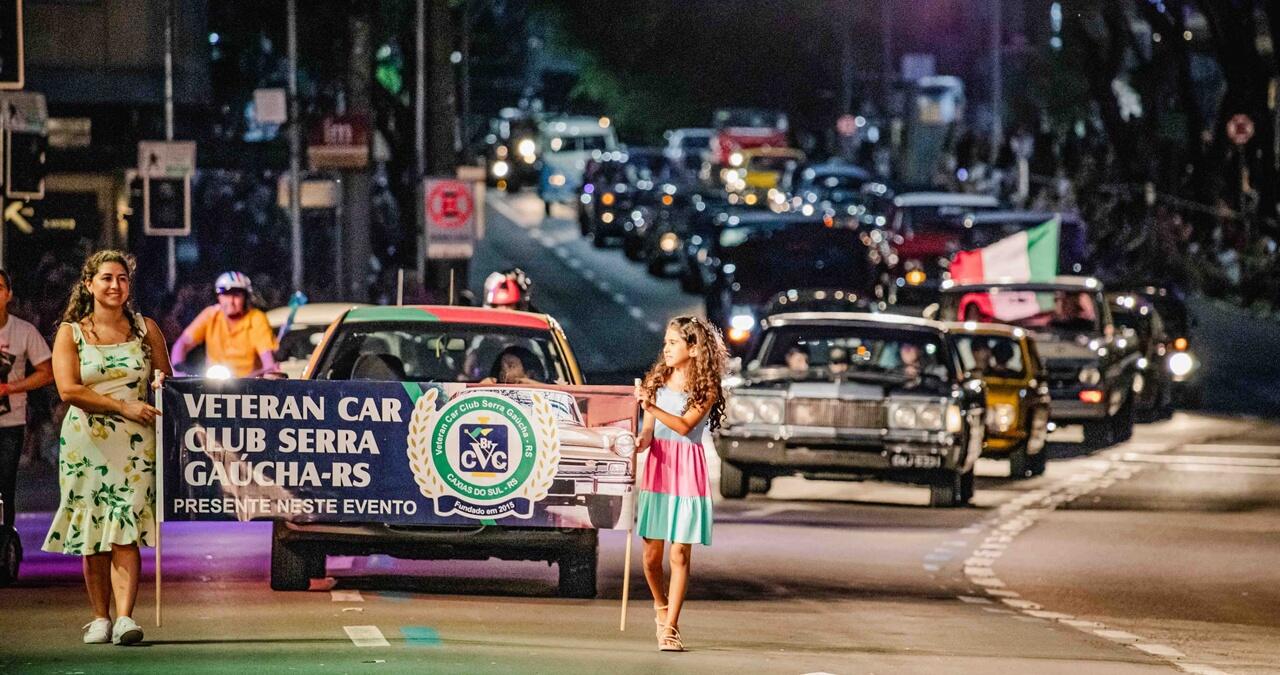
915 277
527 148
556 179
606 217
623 445
1181 364
1090 375
1002 415
911 415
735 159
617 469
669 242
741 410
501 169
756 410
770 410
955 419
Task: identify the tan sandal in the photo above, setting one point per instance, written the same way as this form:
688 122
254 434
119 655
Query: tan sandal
669 641
658 622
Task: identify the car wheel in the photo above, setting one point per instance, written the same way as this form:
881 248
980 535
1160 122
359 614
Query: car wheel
1123 421
759 485
577 574
948 489
10 556
605 513
1036 463
733 482
1099 434
1020 463
292 565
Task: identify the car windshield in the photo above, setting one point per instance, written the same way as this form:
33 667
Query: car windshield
990 355
299 342
750 118
935 216
577 143
1063 310
695 142
423 351
852 350
775 164
562 403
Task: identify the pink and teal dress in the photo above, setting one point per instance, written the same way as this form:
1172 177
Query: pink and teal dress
675 494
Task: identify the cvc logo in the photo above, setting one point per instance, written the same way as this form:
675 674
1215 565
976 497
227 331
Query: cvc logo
487 449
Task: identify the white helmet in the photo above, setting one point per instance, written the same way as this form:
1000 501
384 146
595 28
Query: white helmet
233 281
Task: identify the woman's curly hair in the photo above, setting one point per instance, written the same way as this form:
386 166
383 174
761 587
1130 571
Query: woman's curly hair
708 357
80 304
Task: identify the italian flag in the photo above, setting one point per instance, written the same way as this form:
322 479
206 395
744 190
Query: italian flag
1030 255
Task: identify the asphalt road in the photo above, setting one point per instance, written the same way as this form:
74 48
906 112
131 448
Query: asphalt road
1155 556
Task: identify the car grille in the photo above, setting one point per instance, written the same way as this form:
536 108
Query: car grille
823 412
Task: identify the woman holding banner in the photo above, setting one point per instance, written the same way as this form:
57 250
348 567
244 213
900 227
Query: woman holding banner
681 397
103 356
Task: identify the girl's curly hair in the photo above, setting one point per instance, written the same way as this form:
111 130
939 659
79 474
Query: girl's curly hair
80 304
708 357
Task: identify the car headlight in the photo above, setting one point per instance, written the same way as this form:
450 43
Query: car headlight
955 419
1090 376
925 416
526 147
735 159
1001 417
770 410
741 410
669 242
624 445
617 469
556 179
742 321
501 169
1181 364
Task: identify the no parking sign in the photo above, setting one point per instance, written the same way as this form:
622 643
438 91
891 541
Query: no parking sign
450 208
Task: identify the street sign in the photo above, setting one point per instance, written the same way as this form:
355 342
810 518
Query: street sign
450 208
12 56
1240 129
24 111
270 106
339 142
166 159
313 193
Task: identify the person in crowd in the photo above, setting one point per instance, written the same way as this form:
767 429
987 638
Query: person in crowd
909 355
509 289
515 365
20 346
236 334
981 351
104 354
681 399
797 359
838 360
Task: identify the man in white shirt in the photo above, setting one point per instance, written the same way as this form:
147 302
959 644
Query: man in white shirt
20 345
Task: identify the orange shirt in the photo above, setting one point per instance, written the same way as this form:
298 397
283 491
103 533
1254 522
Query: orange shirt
234 346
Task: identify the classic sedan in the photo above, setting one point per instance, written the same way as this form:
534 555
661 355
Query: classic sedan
853 396
1017 392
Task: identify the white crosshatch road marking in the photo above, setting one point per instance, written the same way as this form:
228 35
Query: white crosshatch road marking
366 636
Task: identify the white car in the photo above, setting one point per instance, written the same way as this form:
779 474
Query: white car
566 144
595 462
306 331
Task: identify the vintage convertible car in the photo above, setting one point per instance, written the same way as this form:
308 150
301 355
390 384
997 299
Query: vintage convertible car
843 395
595 462
1017 392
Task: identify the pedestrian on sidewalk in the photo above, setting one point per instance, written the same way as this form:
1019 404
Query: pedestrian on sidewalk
103 357
20 345
681 398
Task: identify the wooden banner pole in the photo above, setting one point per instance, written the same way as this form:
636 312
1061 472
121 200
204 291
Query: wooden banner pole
626 561
158 508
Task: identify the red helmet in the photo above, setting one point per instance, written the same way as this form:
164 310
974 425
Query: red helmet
510 289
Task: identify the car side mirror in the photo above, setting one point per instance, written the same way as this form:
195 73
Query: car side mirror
931 311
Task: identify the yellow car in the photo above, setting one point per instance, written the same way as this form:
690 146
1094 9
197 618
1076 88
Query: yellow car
1005 358
761 173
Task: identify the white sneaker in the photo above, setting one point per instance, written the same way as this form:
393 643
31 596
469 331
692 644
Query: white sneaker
97 632
126 631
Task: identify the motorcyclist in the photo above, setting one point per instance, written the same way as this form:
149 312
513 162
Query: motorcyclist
509 289
236 334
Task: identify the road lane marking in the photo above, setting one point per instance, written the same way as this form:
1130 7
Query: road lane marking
366 636
346 596
420 636
973 600
507 210
1273 450
1243 470
1203 460
1199 669
1117 635
1003 593
1160 650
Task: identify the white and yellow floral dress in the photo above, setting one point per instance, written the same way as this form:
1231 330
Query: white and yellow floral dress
106 463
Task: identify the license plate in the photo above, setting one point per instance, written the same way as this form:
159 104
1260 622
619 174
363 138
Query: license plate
915 461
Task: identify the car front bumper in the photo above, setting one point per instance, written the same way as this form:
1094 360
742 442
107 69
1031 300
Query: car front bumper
824 451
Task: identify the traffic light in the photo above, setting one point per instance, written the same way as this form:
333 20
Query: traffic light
166 206
24 168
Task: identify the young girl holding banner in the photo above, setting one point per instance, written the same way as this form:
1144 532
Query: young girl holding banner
681 398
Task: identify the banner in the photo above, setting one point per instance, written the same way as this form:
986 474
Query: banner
397 453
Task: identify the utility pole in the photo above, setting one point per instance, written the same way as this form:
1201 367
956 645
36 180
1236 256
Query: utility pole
420 132
886 52
171 244
997 80
295 148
